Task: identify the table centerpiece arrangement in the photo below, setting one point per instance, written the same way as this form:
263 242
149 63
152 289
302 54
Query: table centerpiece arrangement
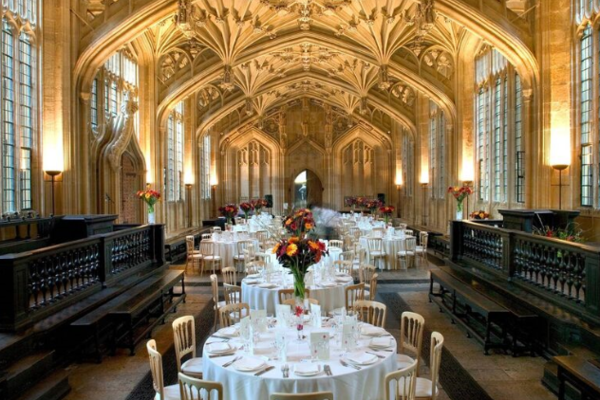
150 197
387 212
229 211
246 207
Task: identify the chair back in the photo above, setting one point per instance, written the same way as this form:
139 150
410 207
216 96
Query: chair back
372 312
156 368
262 236
353 294
408 232
354 231
365 273
229 314
423 239
199 389
207 248
189 245
214 284
373 286
232 293
184 335
285 294
254 267
343 266
243 246
403 381
437 345
229 275
362 255
411 333
410 243
336 243
206 236
346 256
378 232
302 396
375 244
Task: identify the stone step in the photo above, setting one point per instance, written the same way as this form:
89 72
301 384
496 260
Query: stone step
54 387
24 373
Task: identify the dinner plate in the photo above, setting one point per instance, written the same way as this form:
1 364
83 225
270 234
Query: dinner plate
249 364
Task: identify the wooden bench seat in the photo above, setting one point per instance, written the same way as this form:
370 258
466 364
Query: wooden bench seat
92 324
155 301
469 306
522 321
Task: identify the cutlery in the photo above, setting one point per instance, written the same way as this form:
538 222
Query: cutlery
221 337
345 364
222 355
375 354
287 371
327 369
283 370
262 371
217 341
228 363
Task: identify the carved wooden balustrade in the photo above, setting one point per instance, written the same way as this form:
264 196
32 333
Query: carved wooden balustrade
37 284
565 273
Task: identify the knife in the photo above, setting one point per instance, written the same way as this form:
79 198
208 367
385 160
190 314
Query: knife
222 355
375 354
259 373
220 337
228 363
345 364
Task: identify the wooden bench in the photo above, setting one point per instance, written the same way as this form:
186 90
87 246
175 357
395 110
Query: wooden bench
522 321
582 374
155 302
99 321
469 306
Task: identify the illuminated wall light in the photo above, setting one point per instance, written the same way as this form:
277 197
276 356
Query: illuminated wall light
53 156
467 173
188 176
398 181
560 148
424 178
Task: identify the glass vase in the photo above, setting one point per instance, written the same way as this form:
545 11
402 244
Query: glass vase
151 216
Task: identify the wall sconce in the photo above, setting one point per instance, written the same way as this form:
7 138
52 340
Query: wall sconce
53 174
560 168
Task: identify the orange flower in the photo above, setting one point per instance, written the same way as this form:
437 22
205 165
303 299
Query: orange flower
291 250
294 239
313 245
288 221
276 248
308 226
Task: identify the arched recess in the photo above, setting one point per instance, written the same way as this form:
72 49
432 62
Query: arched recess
250 167
362 166
306 155
117 144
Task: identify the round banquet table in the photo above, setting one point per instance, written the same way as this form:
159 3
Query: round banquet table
265 298
226 249
391 246
345 382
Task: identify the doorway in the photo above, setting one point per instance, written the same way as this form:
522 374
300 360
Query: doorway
308 190
129 181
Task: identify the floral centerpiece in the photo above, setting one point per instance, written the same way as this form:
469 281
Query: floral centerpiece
299 223
387 212
570 234
150 197
479 215
228 211
361 202
350 201
259 204
460 193
372 205
246 207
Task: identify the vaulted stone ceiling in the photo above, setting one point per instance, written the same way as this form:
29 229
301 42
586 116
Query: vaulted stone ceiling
249 57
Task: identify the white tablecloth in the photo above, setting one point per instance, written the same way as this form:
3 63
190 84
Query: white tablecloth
258 298
227 249
346 382
391 246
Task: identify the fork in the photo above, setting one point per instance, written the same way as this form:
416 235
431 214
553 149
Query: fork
228 363
345 364
327 369
284 370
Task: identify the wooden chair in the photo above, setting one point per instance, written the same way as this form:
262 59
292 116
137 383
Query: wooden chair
262 236
378 232
193 255
230 314
428 388
214 283
347 255
421 249
376 251
408 232
366 272
372 312
242 254
207 249
371 288
285 294
336 243
196 389
255 267
302 396
412 326
343 267
407 251
353 294
232 293
229 275
184 335
156 368
292 302
403 381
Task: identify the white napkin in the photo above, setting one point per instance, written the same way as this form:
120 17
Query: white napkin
361 358
253 276
306 368
230 331
267 285
372 331
382 342
219 347
249 364
328 284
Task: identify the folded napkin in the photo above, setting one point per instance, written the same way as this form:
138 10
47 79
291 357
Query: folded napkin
230 331
328 284
219 347
249 363
361 358
253 276
306 368
382 342
372 331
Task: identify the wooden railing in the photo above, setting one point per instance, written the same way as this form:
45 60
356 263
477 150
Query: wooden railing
37 284
565 273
